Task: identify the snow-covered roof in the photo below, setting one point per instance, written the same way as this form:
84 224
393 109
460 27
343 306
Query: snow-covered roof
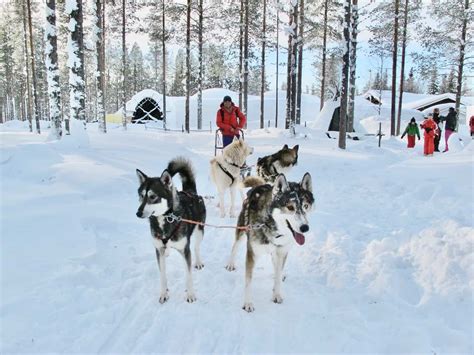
430 101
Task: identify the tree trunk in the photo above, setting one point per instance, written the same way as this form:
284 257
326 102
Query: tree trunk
277 89
188 63
33 72
200 79
124 66
294 50
323 72
100 66
241 50
246 58
27 65
345 76
76 62
353 60
288 77
163 43
52 69
262 87
402 69
394 70
300 63
461 59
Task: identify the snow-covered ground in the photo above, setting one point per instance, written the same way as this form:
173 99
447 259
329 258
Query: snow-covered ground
387 266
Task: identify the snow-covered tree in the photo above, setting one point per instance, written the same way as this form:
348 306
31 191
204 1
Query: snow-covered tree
75 60
52 69
433 86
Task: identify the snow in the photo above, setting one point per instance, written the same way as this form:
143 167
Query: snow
387 266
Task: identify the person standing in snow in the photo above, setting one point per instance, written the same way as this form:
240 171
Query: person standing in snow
438 132
230 120
450 125
411 131
471 125
429 125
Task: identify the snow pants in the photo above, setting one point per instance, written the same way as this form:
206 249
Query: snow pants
429 145
411 141
436 141
447 133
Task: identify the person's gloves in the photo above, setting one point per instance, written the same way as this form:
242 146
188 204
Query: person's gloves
428 130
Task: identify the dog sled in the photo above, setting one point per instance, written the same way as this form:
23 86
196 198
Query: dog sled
245 170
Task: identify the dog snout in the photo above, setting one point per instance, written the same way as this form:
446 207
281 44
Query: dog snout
304 228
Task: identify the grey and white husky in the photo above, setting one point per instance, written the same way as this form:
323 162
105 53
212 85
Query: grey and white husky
276 216
164 207
270 166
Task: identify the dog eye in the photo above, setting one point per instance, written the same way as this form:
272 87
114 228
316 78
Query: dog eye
152 197
305 206
290 208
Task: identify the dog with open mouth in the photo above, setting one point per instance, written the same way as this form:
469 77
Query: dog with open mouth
275 217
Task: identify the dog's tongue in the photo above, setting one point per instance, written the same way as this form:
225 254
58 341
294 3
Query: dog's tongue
298 237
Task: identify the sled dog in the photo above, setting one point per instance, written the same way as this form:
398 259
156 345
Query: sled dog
225 171
164 207
270 166
276 216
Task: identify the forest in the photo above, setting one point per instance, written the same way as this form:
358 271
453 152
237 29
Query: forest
82 59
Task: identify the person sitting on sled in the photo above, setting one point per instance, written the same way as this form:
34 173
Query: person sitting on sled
411 131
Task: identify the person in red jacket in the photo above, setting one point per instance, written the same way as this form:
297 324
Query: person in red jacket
430 127
230 120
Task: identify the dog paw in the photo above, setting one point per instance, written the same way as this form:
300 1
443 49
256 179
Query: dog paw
230 267
199 266
248 307
190 297
277 298
164 297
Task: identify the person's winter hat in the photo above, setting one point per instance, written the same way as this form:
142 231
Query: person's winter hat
413 120
451 109
227 98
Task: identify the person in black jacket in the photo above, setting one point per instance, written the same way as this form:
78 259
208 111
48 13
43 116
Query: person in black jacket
450 125
438 131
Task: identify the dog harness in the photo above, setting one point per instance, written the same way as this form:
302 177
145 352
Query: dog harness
227 173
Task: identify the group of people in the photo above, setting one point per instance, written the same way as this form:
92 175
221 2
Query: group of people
432 130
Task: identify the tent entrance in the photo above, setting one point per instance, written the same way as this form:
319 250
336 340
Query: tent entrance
147 110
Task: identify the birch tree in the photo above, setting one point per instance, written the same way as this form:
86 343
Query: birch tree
394 70
188 64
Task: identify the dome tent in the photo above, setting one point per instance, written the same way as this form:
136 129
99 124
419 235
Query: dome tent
144 107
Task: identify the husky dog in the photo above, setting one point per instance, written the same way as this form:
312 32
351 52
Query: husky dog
164 207
276 216
281 162
225 171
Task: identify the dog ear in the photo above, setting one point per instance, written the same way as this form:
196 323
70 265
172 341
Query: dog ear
296 147
166 179
280 185
285 147
306 182
141 176
235 139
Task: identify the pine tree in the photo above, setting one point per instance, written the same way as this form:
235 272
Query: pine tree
52 69
345 76
433 87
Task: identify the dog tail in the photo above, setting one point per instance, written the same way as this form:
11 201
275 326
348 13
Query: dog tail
253 181
183 167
